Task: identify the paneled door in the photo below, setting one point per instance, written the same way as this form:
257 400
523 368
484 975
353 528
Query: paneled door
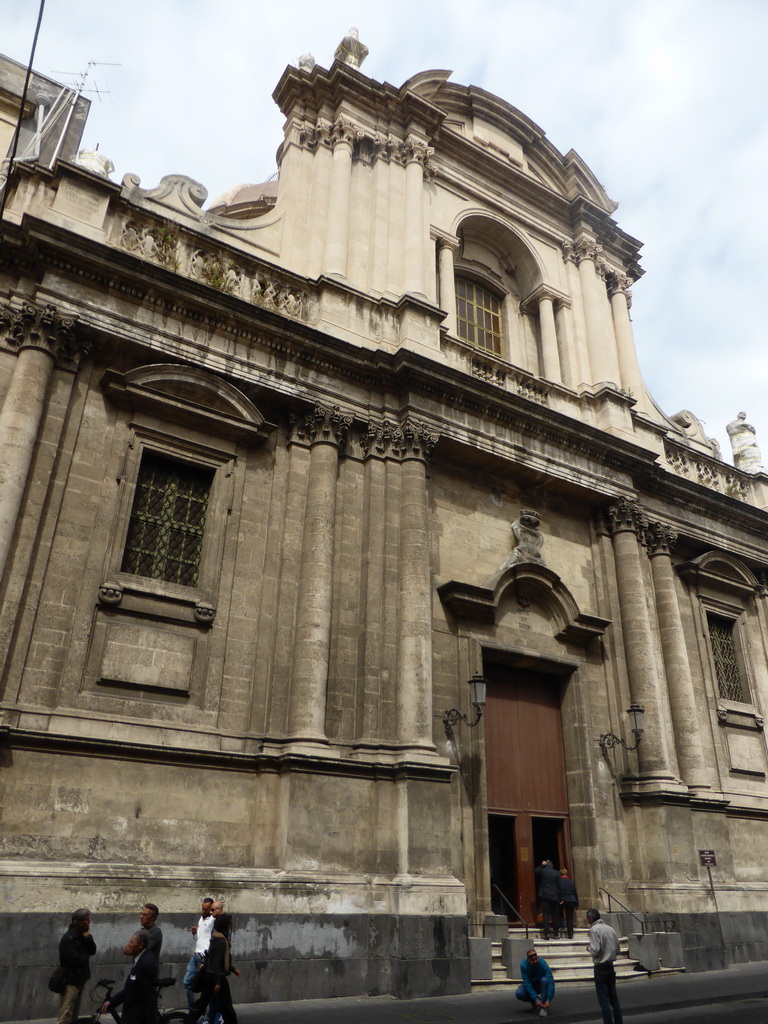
527 799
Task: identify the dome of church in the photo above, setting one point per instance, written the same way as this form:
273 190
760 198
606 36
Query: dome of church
245 201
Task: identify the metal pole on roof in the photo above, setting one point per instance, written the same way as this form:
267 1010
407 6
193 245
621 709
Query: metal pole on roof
17 132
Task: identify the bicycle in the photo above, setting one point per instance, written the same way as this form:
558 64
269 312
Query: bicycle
177 1015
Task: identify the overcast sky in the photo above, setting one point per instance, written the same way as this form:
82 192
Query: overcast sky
665 100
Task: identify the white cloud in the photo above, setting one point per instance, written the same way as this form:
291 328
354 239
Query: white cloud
665 100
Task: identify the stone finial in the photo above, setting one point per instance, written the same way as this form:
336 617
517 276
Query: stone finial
306 62
529 540
350 50
746 454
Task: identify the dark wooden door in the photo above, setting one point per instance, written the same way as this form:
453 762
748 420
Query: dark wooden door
525 765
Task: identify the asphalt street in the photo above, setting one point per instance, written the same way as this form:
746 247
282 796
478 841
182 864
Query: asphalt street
737 994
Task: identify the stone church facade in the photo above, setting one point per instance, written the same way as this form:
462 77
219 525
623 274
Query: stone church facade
279 478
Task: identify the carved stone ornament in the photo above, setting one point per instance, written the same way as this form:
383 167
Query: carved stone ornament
722 714
582 249
625 514
205 613
528 540
660 539
110 593
32 327
324 425
409 440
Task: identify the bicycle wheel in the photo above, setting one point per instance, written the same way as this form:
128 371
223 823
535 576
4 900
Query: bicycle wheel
179 1016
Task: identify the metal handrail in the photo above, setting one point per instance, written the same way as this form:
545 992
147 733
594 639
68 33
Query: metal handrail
514 911
625 909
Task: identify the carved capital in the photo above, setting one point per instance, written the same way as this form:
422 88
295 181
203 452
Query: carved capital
619 284
389 441
324 425
345 131
660 539
624 515
416 151
32 327
582 249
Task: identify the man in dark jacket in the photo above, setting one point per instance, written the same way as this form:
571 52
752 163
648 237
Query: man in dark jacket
75 949
148 921
548 881
139 994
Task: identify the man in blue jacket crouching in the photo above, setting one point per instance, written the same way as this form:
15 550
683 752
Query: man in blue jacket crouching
538 987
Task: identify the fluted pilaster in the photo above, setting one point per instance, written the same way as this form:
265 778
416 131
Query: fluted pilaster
626 523
42 338
682 698
323 431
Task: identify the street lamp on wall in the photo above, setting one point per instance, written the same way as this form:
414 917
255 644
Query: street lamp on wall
609 740
477 687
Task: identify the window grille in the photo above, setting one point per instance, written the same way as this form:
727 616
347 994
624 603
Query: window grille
165 532
725 657
478 314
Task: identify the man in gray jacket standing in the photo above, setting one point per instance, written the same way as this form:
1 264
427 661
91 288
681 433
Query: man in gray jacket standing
604 948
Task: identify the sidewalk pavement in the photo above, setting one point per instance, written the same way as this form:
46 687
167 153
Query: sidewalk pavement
572 1003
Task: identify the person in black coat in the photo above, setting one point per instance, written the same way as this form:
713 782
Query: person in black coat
548 881
139 994
569 899
218 967
75 950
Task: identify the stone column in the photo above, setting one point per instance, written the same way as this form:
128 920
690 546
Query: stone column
600 341
626 524
341 138
549 352
629 368
447 277
42 338
414 691
323 431
416 155
682 697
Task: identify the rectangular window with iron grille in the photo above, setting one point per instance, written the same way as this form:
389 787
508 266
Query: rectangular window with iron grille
726 660
167 523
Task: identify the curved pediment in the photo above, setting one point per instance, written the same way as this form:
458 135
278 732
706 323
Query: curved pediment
189 395
530 581
506 132
720 571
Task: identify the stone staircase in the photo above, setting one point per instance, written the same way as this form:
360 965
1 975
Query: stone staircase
568 959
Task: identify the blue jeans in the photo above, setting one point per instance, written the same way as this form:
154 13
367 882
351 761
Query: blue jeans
524 996
605 987
194 965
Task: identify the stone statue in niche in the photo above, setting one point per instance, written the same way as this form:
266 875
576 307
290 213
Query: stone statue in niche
350 50
746 454
529 540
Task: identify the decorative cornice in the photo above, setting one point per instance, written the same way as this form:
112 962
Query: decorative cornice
324 425
44 329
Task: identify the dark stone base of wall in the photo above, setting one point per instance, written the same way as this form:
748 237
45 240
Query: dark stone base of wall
711 942
281 957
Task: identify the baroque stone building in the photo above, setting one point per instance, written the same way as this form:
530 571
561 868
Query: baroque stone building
279 478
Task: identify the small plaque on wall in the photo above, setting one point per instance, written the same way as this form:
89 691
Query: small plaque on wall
147 657
746 750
